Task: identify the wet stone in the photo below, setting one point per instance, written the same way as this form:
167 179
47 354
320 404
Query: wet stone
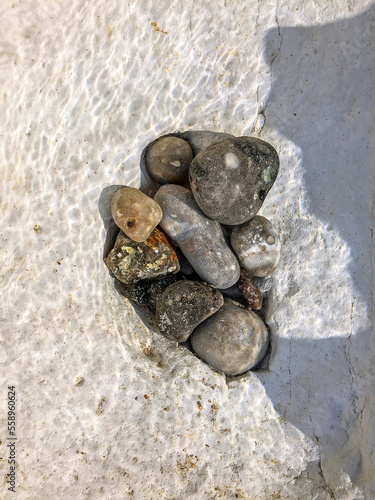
130 261
234 340
135 213
231 179
168 160
183 306
250 291
200 239
257 246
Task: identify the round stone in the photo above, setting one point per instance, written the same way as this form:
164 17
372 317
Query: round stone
168 160
183 306
135 213
234 340
231 179
257 246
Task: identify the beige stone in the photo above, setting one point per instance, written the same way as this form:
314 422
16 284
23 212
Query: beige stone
135 213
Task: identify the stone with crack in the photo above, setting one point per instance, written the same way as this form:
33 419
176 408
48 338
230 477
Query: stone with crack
231 179
131 261
183 306
234 340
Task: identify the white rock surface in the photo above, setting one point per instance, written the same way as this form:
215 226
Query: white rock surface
105 407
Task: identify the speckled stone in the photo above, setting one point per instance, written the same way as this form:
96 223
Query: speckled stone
234 340
231 179
130 261
135 213
257 245
168 160
250 291
200 239
183 306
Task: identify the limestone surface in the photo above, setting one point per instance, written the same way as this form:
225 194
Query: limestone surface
168 160
130 261
231 179
257 245
135 213
233 340
200 239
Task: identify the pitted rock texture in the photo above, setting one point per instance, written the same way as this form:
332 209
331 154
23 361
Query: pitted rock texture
168 160
183 306
257 245
250 291
130 261
231 179
135 213
233 340
200 239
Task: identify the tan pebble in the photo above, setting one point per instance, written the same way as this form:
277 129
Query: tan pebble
135 213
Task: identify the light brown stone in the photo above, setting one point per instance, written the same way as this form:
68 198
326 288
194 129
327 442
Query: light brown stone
135 213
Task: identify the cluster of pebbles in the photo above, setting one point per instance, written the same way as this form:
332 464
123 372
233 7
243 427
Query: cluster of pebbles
196 254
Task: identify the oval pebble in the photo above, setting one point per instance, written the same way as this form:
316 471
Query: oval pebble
168 160
234 340
200 239
257 245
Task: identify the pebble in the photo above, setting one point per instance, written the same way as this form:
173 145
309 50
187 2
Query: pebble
135 213
200 239
183 306
234 340
231 179
168 160
257 246
250 291
131 261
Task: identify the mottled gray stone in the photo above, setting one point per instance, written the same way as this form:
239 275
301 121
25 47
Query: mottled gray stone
183 306
200 239
231 179
257 245
234 340
168 160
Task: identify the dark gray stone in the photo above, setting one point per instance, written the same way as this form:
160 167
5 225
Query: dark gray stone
200 239
184 305
234 340
231 179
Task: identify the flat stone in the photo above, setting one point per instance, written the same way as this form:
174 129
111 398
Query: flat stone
183 306
130 261
234 340
257 245
168 160
135 213
200 239
231 179
250 291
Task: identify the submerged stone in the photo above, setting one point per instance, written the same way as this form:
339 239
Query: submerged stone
168 160
257 245
200 239
130 261
231 179
250 291
135 213
234 340
183 306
